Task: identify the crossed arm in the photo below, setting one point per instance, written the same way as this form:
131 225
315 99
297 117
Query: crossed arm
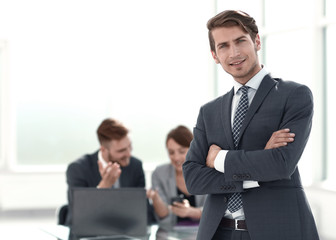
279 138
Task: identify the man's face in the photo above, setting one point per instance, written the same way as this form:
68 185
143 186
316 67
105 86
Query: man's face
118 151
236 52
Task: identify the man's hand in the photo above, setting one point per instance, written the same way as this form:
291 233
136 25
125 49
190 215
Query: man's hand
152 194
212 153
280 138
109 174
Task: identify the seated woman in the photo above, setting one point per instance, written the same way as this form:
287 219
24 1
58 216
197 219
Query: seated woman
168 184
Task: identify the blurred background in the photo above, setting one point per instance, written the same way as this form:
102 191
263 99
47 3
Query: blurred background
66 65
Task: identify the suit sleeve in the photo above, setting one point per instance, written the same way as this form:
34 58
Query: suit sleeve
280 163
140 181
158 184
199 178
133 175
75 175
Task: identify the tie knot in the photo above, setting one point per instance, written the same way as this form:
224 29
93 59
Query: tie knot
244 89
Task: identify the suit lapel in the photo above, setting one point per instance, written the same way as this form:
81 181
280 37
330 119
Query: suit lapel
264 88
226 117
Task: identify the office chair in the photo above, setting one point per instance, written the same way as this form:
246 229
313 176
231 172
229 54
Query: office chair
61 214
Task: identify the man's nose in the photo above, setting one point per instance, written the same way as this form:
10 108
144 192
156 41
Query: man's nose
234 50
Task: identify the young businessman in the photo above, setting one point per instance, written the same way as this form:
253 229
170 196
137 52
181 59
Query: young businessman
253 185
111 166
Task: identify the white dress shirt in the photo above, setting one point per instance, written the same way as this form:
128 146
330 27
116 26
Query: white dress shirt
219 163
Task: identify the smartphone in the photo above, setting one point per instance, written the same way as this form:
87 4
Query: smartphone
176 199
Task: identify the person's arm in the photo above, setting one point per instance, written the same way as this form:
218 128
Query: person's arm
140 179
258 165
216 156
199 178
184 210
109 174
277 163
160 207
75 175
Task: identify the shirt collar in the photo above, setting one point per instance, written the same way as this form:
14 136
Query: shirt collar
254 82
101 159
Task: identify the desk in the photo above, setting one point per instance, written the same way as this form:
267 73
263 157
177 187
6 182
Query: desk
155 232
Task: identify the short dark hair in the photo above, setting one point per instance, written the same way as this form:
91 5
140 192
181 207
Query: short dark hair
111 129
231 18
181 134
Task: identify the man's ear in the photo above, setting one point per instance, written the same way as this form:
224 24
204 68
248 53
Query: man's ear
214 56
257 42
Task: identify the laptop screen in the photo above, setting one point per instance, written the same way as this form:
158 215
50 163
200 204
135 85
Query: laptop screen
105 212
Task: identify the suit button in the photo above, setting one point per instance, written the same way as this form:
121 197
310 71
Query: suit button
235 177
248 176
225 199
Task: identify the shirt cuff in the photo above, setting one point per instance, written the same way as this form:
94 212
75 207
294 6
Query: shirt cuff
220 160
250 184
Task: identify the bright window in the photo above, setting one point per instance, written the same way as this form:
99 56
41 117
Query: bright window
287 14
1 101
331 102
285 65
74 63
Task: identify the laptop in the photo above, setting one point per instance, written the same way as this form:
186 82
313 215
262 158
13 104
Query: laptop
109 212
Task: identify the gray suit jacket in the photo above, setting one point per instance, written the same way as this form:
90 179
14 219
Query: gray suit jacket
278 209
163 179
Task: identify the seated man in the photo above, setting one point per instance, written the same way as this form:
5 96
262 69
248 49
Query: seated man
112 166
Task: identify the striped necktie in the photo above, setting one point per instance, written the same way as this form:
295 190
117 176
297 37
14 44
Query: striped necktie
235 201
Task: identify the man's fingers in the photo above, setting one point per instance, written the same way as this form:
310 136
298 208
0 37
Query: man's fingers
214 147
283 130
283 135
280 138
283 139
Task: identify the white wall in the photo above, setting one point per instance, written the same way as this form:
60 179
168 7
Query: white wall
24 191
322 202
